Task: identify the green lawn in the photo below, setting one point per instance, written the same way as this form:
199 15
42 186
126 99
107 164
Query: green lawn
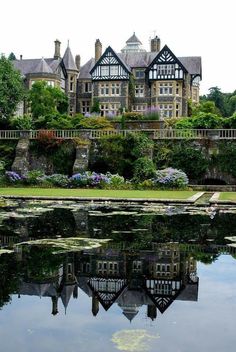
227 196
60 192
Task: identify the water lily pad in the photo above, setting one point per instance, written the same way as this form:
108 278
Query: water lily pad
70 244
133 340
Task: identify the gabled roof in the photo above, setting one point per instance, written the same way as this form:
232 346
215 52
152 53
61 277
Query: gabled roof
43 67
163 50
119 59
69 61
133 39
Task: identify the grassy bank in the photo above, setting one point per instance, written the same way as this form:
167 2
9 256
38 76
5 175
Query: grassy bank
60 192
228 196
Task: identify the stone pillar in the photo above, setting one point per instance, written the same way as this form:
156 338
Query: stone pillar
81 158
21 162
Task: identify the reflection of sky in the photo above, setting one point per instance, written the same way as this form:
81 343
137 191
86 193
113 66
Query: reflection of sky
27 325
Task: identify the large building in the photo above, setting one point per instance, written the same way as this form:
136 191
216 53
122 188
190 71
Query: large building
135 79
132 80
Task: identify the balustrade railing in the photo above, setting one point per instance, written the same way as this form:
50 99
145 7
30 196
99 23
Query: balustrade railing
97 134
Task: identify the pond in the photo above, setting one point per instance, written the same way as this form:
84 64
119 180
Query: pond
104 277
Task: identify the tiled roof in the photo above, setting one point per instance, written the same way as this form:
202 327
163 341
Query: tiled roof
86 68
143 59
137 59
27 66
43 67
133 39
69 61
193 64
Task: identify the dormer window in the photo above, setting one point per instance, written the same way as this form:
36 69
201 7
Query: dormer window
139 74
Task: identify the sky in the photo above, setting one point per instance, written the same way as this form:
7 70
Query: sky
203 28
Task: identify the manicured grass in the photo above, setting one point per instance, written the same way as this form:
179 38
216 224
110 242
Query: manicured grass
60 192
227 196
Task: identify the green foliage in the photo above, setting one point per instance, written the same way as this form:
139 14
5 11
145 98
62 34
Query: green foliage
92 123
133 116
131 90
12 56
34 177
205 106
144 169
7 153
54 121
140 144
24 122
47 100
201 120
181 155
225 160
224 102
11 89
95 107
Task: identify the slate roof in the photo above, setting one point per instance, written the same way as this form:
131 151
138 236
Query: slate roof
137 59
193 64
86 68
43 67
26 66
69 61
133 39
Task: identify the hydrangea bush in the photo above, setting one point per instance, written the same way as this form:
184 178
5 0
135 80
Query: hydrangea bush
170 178
13 177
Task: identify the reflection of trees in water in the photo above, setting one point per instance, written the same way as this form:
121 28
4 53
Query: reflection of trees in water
9 278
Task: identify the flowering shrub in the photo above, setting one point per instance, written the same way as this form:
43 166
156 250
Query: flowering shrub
115 180
152 113
89 179
170 178
12 176
34 177
57 180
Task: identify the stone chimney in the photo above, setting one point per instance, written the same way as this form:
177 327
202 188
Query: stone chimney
155 44
98 50
77 62
57 53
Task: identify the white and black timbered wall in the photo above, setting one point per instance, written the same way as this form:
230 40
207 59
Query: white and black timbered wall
166 66
109 67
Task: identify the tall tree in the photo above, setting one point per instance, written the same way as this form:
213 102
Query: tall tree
47 100
12 56
11 89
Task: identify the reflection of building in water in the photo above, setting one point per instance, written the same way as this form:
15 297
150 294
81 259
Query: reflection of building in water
131 279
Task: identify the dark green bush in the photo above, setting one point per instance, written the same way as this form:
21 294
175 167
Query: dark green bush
144 169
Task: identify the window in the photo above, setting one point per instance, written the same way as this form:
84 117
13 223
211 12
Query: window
71 88
177 110
166 88
166 110
165 70
115 89
87 87
139 107
51 83
114 70
139 90
85 107
140 74
104 89
109 109
104 70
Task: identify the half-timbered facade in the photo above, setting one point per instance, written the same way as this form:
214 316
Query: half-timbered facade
135 80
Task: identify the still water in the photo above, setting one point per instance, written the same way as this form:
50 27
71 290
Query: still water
86 277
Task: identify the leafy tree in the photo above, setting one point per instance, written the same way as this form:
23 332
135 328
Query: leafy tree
12 56
11 90
219 99
47 100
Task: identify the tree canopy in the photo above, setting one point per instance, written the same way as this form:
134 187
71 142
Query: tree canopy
11 89
224 102
46 100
